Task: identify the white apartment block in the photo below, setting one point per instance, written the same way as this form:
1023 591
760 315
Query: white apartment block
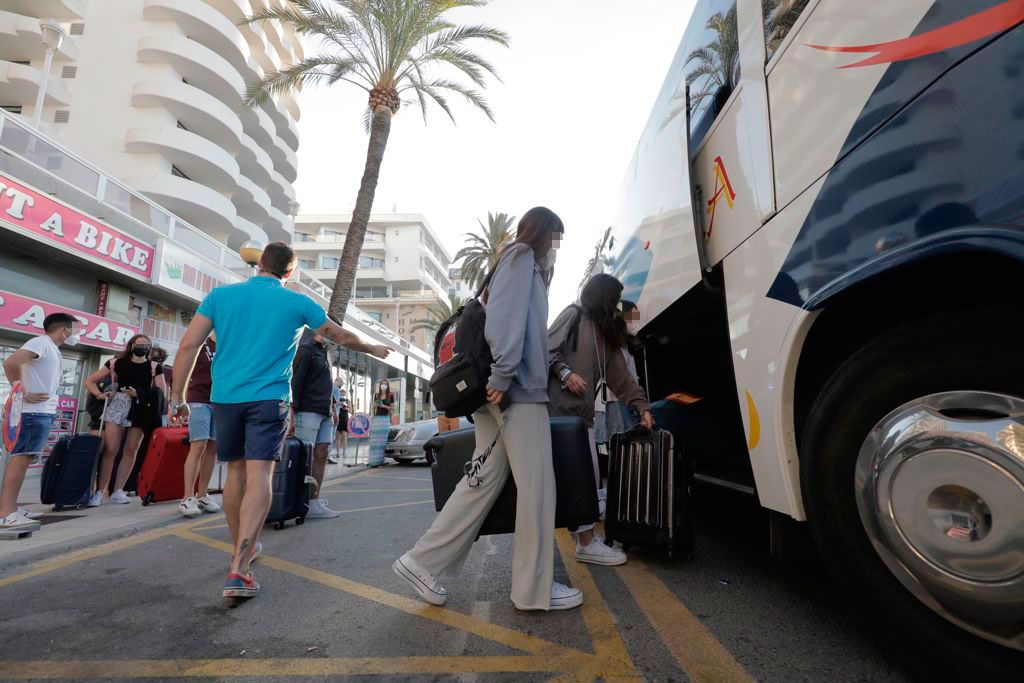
152 92
403 267
460 289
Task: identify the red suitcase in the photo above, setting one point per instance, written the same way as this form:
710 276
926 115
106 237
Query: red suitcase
162 476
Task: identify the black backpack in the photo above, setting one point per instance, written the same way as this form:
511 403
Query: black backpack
462 360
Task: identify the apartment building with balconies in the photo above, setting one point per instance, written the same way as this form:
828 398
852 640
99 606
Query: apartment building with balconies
403 266
152 92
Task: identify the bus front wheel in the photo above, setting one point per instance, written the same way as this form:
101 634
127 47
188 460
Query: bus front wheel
912 467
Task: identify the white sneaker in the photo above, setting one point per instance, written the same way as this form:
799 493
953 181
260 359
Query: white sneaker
208 504
421 582
562 597
119 497
30 515
565 597
189 507
318 510
96 500
599 553
16 520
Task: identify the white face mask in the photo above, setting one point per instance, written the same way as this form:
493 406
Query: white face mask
633 328
550 258
73 339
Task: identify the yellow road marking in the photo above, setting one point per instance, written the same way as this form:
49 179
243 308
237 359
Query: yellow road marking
609 647
48 566
698 652
463 622
242 667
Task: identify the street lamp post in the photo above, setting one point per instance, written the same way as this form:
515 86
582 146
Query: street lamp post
251 252
53 36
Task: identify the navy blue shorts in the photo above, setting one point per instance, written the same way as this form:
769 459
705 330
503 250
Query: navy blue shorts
253 431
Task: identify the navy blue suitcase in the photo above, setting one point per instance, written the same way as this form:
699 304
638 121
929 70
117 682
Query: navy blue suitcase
576 498
290 489
69 472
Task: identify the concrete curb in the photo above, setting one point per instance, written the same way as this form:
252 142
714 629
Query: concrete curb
33 556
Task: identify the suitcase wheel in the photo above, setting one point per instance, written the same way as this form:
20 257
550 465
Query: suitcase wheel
299 521
278 525
148 498
57 508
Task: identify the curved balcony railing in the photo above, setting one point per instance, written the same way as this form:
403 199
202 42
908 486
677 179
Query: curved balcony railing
205 25
203 161
65 10
19 84
198 64
199 111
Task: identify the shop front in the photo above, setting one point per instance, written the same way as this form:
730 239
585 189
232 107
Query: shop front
21 318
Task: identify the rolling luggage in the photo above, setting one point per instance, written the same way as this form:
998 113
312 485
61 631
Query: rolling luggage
650 485
291 483
69 472
162 476
574 476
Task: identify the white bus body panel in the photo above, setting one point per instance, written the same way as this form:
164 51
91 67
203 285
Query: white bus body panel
815 102
767 336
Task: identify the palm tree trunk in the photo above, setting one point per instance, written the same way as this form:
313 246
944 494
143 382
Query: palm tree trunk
380 129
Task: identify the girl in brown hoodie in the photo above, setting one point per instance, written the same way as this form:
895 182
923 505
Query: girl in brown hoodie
585 343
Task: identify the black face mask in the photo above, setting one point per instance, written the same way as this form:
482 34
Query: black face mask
140 353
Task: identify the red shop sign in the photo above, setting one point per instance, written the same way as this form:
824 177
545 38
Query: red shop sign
50 221
26 315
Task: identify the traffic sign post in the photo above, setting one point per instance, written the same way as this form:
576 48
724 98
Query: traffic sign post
358 429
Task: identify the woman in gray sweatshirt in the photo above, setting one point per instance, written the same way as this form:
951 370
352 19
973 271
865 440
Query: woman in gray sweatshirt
515 422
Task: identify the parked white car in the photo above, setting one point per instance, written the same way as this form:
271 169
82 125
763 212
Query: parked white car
406 441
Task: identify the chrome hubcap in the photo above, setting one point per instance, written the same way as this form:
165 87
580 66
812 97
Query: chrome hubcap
940 491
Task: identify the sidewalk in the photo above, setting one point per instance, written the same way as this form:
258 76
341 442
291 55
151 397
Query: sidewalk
72 529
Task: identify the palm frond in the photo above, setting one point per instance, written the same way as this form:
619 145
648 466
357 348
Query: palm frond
309 70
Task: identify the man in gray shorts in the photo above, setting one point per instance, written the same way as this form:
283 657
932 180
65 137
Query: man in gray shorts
202 435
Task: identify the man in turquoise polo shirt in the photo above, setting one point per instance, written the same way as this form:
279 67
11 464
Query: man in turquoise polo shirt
258 323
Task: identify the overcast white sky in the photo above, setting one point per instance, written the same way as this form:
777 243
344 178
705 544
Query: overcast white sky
579 81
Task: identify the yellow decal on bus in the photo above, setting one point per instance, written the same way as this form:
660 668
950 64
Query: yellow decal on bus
755 423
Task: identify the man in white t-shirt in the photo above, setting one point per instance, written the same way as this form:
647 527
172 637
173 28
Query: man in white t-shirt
36 365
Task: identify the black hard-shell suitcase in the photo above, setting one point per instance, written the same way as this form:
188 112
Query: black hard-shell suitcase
69 472
290 488
650 492
574 476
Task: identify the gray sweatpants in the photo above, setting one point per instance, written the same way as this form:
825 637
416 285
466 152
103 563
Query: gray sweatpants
524 448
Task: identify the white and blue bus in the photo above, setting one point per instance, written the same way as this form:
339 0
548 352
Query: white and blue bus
823 227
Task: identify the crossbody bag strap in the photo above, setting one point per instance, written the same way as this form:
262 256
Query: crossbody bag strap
601 359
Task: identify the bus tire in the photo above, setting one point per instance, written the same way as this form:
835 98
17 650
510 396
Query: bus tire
977 350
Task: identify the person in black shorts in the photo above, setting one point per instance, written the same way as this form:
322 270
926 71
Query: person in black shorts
132 406
341 408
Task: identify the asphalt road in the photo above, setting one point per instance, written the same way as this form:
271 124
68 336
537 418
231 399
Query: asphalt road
149 607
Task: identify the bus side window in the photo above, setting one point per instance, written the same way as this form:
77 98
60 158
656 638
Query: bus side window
779 18
713 66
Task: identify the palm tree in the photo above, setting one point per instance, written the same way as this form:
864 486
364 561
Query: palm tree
717 63
390 49
482 249
437 314
596 263
779 17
